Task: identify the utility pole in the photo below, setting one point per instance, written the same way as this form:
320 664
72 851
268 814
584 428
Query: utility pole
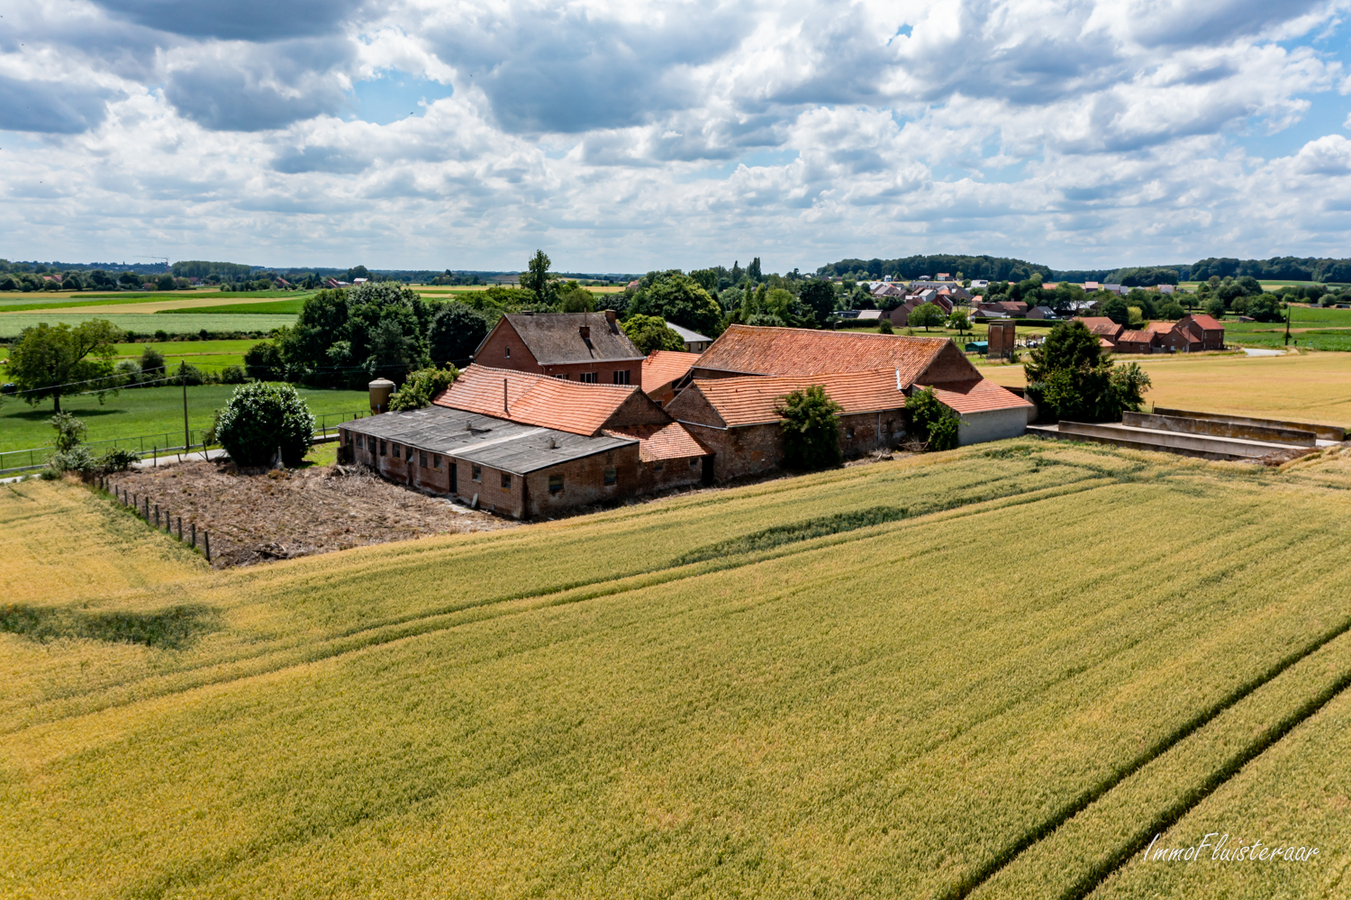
183 377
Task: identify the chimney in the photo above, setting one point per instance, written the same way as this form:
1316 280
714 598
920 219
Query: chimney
585 332
505 408
610 318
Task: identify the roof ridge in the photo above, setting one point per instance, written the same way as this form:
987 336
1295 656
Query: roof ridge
625 388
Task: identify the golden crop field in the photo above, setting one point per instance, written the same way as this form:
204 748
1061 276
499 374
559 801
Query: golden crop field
1308 387
998 672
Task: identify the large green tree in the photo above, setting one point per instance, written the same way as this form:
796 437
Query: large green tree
539 279
456 332
676 297
348 337
1070 377
54 361
818 295
650 333
925 315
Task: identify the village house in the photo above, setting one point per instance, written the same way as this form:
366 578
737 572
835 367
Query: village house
1207 330
663 371
584 347
694 341
528 445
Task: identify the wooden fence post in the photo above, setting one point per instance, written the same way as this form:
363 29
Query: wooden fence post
194 535
180 528
206 543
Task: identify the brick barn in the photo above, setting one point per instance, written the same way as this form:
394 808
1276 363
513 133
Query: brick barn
527 445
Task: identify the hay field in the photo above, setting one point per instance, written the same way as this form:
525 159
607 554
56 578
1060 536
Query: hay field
1313 387
997 671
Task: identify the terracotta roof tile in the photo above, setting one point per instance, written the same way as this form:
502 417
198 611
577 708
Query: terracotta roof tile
535 399
1206 322
752 400
799 351
1161 327
661 441
662 367
1135 337
967 397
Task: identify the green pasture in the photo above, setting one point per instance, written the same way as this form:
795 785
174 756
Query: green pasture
290 306
148 323
133 412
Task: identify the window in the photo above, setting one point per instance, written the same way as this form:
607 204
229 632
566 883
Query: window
849 433
382 448
508 353
589 378
622 376
422 458
436 460
555 484
611 475
476 473
659 466
506 481
394 449
694 462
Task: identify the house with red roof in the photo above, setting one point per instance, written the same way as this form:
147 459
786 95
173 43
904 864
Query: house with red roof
731 403
529 445
1208 332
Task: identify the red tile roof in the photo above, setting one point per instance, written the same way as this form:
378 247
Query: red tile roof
1206 322
665 366
661 441
966 397
1161 327
1100 325
1135 337
535 399
753 400
799 351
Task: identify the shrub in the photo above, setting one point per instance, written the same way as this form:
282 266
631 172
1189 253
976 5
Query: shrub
262 418
932 423
233 375
649 333
263 362
421 387
811 430
117 459
885 327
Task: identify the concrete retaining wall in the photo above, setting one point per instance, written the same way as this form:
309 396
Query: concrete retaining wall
1160 441
1324 432
1218 428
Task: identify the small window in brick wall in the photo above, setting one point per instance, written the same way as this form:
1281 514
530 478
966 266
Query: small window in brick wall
611 475
436 460
694 462
849 433
555 484
422 458
382 448
394 450
508 353
476 473
589 378
506 481
622 376
659 466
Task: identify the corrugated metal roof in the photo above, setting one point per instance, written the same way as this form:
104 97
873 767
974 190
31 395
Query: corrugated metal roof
497 443
976 396
555 339
535 399
799 351
752 400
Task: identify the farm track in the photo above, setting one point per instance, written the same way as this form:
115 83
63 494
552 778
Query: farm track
215 672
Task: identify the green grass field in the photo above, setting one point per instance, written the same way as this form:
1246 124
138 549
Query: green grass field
852 684
144 411
290 306
11 324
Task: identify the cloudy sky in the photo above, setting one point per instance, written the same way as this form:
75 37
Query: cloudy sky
621 136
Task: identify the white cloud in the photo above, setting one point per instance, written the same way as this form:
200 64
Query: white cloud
679 132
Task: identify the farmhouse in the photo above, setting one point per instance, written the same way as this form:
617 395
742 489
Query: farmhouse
584 347
730 403
524 444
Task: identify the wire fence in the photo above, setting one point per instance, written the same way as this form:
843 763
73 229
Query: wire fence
12 461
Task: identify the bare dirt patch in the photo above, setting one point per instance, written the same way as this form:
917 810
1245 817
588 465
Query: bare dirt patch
260 517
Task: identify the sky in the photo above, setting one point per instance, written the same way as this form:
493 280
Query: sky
628 136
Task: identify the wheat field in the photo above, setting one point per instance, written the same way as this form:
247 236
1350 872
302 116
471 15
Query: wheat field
998 672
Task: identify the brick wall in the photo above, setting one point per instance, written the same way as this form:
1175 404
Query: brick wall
584 482
949 365
504 339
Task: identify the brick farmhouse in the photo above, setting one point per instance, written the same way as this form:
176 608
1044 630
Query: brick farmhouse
585 347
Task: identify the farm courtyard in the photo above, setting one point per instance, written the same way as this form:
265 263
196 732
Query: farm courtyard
996 672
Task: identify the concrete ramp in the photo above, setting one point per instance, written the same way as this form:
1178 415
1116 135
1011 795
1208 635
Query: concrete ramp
1198 445
1220 428
1322 432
